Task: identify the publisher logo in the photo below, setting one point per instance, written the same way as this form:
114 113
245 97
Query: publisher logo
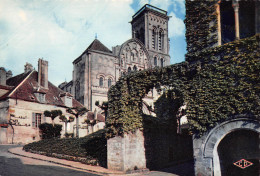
243 163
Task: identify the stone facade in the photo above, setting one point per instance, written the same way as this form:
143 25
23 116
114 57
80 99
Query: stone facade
98 68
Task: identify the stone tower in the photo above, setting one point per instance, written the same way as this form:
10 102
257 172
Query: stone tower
150 26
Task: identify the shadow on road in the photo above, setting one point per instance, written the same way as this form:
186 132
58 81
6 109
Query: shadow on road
185 169
15 167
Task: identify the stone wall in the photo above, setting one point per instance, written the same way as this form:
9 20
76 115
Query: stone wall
126 153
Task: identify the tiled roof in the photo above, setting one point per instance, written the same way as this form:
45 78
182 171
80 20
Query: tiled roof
26 91
16 80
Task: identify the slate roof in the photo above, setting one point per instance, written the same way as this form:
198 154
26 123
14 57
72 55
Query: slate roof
25 86
96 45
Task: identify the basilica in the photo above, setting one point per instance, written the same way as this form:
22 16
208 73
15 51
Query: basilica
98 67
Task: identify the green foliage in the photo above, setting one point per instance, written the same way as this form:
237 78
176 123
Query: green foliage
223 85
49 131
52 114
92 147
77 111
201 25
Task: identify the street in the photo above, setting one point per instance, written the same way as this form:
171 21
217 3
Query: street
13 165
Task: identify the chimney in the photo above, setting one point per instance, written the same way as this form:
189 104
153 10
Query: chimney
43 73
2 76
28 67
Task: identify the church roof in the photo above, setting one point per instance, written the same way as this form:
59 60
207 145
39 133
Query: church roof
98 46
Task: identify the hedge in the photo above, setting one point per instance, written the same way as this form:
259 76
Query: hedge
91 149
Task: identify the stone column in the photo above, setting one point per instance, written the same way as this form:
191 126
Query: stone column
219 23
236 10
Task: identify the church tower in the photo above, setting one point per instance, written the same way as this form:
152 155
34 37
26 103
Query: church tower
150 26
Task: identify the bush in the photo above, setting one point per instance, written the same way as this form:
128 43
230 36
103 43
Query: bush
49 131
93 148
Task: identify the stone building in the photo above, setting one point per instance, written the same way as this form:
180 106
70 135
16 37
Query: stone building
24 98
97 68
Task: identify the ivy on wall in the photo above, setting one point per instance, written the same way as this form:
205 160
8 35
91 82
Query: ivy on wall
201 24
223 83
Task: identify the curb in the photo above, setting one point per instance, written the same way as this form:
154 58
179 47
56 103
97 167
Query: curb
60 163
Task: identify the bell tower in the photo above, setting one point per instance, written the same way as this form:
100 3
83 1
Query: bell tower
150 26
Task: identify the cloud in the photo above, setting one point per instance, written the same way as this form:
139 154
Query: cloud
176 26
59 31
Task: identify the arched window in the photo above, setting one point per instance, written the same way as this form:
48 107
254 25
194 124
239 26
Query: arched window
160 40
244 26
135 68
77 90
153 38
227 22
155 61
142 35
101 82
129 69
162 62
109 83
247 22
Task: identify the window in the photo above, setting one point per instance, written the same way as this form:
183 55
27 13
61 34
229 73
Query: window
109 82
247 25
129 69
40 97
153 38
160 40
227 22
142 35
101 82
135 68
244 26
77 90
161 62
155 61
36 120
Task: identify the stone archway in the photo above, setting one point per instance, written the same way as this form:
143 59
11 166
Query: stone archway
205 148
237 145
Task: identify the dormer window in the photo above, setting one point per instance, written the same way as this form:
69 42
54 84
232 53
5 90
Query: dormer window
66 98
40 97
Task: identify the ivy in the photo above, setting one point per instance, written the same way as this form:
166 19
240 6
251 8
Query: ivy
217 84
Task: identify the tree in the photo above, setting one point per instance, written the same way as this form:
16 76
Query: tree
66 121
52 114
77 111
104 107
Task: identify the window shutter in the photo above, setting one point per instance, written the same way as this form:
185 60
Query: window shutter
33 119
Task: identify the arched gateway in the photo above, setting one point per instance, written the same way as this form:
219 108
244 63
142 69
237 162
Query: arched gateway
209 149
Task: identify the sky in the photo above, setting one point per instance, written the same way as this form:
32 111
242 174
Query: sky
60 30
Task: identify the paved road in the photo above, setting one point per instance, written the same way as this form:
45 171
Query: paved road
12 165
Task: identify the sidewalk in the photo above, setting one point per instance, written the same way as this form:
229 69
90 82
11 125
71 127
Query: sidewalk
72 164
